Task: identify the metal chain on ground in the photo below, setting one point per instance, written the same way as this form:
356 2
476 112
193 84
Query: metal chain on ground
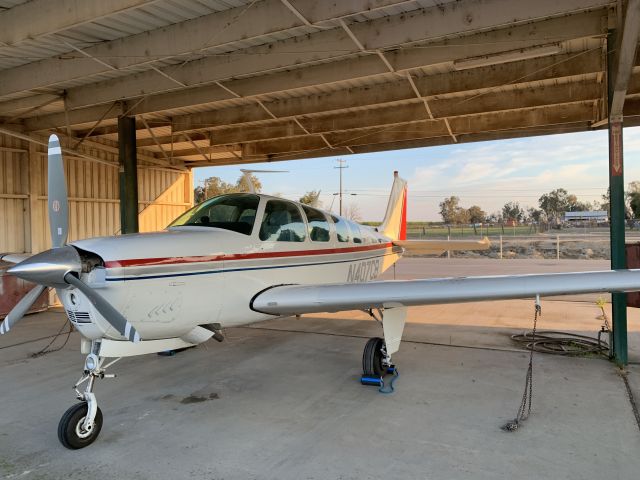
527 395
563 343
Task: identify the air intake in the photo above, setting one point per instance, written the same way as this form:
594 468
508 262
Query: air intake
79 317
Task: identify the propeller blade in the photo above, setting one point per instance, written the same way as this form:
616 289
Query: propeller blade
112 316
58 202
21 308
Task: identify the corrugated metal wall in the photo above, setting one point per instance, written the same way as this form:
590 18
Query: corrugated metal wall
93 197
14 199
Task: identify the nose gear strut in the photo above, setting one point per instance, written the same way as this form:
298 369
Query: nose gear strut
80 425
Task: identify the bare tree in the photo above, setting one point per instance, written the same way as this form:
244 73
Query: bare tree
352 212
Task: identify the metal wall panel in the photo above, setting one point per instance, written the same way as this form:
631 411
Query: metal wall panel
13 195
93 197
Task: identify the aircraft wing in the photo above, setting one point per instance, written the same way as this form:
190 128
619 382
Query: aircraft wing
299 299
436 247
14 257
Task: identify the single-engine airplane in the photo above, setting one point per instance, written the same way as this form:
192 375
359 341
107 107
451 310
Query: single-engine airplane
252 257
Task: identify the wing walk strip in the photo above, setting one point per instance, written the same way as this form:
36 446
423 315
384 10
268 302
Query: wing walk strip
140 269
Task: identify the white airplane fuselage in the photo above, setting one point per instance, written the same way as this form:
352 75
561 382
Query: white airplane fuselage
167 283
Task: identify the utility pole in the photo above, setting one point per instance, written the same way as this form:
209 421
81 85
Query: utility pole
341 166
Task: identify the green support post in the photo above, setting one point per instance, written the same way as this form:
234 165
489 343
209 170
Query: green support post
128 174
617 215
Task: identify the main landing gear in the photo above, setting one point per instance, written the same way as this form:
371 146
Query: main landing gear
376 358
81 423
376 363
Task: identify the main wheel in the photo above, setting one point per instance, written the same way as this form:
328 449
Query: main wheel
372 358
70 431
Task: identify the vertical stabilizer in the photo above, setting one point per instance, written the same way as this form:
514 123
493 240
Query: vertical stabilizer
394 224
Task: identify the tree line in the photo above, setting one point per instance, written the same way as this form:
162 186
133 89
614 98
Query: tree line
551 208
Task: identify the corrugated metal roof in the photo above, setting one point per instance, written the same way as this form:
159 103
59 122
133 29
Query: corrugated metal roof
161 13
122 24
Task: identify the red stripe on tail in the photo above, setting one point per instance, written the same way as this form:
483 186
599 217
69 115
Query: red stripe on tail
403 221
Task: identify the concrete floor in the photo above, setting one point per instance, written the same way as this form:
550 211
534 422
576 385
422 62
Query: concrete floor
281 400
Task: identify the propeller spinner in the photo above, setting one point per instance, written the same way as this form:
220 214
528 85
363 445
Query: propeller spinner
60 267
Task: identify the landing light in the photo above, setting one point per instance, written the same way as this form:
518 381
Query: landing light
91 363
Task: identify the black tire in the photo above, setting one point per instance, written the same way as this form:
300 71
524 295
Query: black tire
69 432
372 358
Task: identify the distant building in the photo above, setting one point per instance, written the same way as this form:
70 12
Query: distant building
597 216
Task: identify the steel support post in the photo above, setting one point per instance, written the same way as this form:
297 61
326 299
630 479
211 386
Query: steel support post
617 215
128 174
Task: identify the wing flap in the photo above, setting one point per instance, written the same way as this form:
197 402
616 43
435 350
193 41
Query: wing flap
436 247
299 299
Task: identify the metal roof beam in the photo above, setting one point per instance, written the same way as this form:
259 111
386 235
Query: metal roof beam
26 103
333 44
399 91
407 113
398 145
483 80
551 116
577 26
624 58
37 18
175 40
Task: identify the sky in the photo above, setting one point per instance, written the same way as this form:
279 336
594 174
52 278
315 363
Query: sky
487 174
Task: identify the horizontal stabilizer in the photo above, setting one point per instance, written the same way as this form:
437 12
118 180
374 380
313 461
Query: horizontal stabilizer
436 247
336 297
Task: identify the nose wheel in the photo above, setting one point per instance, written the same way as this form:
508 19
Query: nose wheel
73 433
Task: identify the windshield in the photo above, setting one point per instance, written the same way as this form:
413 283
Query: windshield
235 212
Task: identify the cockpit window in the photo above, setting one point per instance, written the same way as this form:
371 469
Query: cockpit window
282 222
235 212
318 225
342 230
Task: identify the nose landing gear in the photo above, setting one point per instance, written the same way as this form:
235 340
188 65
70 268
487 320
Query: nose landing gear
80 425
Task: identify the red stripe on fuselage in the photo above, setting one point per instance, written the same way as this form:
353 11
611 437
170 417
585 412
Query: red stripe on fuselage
140 262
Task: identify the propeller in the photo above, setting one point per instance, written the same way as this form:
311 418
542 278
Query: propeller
60 266
21 308
57 192
113 316
246 176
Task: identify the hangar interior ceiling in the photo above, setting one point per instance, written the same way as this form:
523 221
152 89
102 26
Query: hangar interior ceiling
215 82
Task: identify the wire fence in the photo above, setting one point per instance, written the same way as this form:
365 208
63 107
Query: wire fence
524 242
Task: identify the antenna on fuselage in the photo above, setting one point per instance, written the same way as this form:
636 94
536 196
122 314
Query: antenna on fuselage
246 176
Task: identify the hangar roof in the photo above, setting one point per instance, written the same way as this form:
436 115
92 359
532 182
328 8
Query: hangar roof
215 82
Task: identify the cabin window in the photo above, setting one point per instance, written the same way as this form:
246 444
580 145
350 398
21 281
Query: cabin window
342 230
318 225
368 234
355 232
235 212
282 222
